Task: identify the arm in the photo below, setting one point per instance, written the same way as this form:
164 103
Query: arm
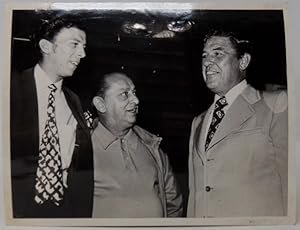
172 193
279 137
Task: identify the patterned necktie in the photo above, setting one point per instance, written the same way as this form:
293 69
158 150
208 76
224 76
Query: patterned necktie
49 184
216 119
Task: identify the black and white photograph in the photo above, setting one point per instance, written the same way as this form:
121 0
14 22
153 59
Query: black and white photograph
149 115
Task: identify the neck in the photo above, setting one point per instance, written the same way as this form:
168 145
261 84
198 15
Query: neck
115 131
48 69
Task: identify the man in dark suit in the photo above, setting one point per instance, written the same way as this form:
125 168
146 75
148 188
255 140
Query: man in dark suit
238 163
51 151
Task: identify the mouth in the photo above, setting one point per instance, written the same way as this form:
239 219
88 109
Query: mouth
211 72
74 64
133 111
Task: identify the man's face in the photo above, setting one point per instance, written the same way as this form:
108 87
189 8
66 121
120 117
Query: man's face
67 50
220 65
121 103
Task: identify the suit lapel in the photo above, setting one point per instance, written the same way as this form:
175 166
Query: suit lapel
75 110
239 112
200 135
204 127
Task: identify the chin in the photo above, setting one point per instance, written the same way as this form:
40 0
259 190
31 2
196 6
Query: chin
131 122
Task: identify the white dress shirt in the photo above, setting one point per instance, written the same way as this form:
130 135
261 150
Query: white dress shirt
66 122
230 96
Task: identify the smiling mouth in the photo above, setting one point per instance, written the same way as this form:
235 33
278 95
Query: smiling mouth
211 72
133 110
74 63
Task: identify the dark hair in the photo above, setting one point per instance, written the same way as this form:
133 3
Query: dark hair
240 45
50 27
102 84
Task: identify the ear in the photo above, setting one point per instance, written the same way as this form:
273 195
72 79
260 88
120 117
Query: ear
99 103
45 46
244 61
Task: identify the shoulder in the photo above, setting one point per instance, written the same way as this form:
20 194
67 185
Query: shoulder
277 101
144 134
147 137
70 92
71 96
18 76
198 118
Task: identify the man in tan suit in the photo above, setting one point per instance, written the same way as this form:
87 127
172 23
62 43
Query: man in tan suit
238 147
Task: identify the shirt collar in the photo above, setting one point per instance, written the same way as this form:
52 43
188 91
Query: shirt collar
131 138
106 138
43 80
234 92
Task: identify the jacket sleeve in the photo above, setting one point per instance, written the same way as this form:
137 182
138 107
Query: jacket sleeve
278 104
171 188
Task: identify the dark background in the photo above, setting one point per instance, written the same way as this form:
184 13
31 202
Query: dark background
166 71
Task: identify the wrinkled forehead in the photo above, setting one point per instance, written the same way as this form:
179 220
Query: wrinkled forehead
218 42
72 33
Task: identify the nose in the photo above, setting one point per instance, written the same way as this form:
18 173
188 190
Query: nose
135 99
207 61
81 52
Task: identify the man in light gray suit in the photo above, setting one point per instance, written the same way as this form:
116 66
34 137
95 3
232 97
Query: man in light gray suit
238 147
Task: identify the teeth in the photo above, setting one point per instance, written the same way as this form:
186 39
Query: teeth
211 72
132 110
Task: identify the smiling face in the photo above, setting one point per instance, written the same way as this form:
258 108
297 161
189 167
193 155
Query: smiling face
119 104
64 53
221 67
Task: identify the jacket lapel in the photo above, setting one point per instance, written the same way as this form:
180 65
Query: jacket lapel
81 131
239 112
200 135
75 109
203 129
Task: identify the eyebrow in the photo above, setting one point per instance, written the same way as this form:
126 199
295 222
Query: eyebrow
77 40
217 48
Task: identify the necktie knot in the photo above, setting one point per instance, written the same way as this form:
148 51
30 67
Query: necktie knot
221 103
52 87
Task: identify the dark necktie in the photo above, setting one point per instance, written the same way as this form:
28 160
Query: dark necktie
216 119
49 183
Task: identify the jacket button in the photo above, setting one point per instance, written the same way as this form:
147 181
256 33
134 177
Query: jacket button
207 188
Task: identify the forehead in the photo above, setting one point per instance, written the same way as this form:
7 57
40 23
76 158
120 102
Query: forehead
119 82
218 42
72 33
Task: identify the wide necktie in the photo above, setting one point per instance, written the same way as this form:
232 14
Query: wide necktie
216 119
49 183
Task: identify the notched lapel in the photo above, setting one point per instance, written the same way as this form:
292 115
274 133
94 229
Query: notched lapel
200 134
239 112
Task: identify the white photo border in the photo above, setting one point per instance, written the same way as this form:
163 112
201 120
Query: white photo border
289 219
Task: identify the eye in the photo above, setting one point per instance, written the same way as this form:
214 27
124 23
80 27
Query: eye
134 92
73 44
124 95
218 54
204 55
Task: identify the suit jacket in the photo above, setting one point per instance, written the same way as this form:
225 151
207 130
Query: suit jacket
78 197
244 170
